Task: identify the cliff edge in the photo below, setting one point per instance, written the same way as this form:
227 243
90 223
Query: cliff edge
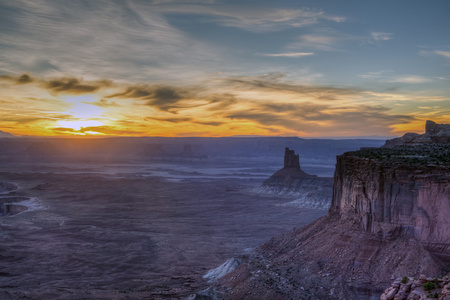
400 191
434 134
389 218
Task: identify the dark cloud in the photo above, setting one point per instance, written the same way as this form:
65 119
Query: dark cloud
165 98
70 85
63 129
61 85
169 119
109 130
22 79
212 123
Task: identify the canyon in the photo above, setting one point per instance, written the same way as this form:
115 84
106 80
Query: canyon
389 218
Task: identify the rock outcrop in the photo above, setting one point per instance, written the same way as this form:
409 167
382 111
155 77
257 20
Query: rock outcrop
389 218
389 199
420 288
291 174
291 181
434 134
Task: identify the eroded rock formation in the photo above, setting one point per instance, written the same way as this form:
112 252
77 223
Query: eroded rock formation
389 199
291 174
418 288
309 191
434 134
389 218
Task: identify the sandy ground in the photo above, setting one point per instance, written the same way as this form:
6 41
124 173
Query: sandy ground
110 236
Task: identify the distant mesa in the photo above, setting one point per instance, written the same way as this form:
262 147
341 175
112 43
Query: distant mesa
4 134
434 134
291 174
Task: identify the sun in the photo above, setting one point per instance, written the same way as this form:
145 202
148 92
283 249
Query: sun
84 115
78 125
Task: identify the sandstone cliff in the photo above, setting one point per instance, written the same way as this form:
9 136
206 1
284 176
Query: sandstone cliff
388 198
389 218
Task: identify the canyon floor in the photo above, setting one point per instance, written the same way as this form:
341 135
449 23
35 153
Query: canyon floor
133 231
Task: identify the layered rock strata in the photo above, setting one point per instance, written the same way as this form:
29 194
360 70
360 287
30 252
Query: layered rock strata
388 218
390 199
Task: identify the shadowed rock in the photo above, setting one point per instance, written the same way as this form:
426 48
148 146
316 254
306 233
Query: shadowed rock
291 174
388 218
434 134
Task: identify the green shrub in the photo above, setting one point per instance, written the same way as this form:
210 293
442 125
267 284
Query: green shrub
427 286
405 280
436 295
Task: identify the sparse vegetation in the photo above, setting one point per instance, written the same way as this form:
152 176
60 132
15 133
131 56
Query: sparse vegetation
428 154
405 280
429 285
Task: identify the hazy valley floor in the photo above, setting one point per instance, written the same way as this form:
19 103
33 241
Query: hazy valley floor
122 232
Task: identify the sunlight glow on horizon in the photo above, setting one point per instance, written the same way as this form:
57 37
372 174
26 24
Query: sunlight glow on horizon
156 68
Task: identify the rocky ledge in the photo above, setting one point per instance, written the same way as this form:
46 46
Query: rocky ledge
418 289
389 218
400 191
434 134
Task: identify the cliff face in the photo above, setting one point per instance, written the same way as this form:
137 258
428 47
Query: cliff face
395 199
389 217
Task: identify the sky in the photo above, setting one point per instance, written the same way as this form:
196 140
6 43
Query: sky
322 68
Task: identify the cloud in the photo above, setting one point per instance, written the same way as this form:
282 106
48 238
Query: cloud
70 85
376 37
184 120
266 83
219 102
54 38
109 130
316 42
22 79
387 76
312 119
169 119
412 79
64 130
255 19
291 54
443 53
210 123
376 74
104 103
163 97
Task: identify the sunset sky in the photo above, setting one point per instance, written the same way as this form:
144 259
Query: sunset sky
221 68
